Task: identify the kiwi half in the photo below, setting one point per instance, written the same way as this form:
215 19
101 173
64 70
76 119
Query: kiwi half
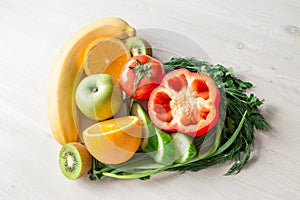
138 46
74 160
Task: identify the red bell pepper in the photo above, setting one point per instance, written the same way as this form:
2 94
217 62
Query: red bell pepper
186 102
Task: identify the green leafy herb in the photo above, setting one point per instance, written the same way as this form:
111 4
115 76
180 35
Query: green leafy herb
239 117
141 70
242 115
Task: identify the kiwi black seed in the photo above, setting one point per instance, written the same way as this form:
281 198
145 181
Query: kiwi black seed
138 46
74 160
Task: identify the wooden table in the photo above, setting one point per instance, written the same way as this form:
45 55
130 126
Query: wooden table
260 40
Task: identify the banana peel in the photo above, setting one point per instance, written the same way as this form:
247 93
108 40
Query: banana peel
67 72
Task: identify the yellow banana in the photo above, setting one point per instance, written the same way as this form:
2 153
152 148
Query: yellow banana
67 71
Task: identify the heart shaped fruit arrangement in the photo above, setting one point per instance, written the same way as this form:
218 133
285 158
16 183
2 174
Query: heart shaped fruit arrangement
144 116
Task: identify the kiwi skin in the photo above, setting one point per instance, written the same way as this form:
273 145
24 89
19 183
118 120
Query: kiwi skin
79 156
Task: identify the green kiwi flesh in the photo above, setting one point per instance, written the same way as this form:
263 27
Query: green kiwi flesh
74 160
138 46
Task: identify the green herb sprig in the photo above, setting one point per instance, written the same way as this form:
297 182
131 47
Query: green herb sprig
240 108
239 117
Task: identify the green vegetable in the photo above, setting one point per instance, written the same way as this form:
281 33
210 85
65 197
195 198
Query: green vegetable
149 139
166 151
155 142
242 115
185 149
231 139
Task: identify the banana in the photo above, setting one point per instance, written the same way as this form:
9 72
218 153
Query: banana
67 72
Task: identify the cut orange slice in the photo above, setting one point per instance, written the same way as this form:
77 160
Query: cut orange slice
114 141
105 55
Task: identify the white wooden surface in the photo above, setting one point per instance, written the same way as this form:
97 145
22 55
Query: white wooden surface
259 39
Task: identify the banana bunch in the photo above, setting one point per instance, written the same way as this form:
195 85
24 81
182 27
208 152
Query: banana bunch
67 72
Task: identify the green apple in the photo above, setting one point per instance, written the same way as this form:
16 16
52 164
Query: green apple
98 96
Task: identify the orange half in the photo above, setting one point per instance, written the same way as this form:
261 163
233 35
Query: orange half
106 55
114 141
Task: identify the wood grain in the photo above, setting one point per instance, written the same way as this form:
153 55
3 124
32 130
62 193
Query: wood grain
259 39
